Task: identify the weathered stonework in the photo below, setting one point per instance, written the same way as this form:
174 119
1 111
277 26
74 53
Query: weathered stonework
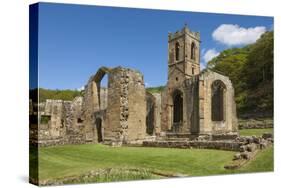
194 106
194 102
115 114
58 123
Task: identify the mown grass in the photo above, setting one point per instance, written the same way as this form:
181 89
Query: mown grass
256 132
68 160
71 160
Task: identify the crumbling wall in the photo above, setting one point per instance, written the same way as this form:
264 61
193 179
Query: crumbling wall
60 123
192 100
126 108
103 98
117 113
75 133
229 123
153 113
51 127
157 113
90 104
137 106
94 105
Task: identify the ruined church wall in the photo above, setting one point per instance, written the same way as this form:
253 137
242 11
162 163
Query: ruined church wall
158 113
103 98
166 110
90 104
75 132
153 113
191 104
126 106
58 123
229 124
112 124
137 106
189 99
50 125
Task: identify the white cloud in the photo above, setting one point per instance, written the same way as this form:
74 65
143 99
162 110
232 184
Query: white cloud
231 35
209 55
81 88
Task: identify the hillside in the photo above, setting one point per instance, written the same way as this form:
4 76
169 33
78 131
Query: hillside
44 94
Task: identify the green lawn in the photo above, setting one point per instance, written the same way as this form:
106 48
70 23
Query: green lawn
256 132
70 160
75 159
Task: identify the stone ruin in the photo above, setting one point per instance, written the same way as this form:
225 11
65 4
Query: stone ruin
193 105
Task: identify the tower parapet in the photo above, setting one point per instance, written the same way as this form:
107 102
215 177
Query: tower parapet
184 31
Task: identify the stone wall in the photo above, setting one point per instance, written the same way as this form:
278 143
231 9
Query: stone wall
117 113
157 113
197 106
192 104
229 122
137 106
220 145
59 122
245 145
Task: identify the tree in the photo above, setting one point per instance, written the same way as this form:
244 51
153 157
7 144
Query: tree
251 71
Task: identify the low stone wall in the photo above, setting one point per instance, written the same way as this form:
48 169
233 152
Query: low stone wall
249 149
220 145
224 137
255 123
240 144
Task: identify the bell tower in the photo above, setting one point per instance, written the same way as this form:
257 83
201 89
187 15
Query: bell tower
183 55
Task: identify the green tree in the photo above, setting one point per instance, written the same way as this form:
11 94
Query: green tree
258 74
251 71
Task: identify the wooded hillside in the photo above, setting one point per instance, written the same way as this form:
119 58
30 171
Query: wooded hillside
251 71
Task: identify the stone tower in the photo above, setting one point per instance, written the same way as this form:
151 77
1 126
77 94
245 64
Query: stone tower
183 64
183 55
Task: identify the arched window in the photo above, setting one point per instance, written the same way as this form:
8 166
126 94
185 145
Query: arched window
192 55
177 51
178 106
218 102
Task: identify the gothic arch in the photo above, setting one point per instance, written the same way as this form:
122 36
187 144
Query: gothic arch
97 81
218 101
177 114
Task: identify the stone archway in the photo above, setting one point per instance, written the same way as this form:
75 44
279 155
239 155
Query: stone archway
99 129
177 110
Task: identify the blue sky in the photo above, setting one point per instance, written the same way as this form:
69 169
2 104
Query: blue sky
74 40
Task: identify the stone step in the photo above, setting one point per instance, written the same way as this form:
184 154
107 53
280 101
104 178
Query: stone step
172 139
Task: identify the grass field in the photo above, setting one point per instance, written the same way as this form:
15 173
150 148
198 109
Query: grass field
75 159
256 132
71 160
